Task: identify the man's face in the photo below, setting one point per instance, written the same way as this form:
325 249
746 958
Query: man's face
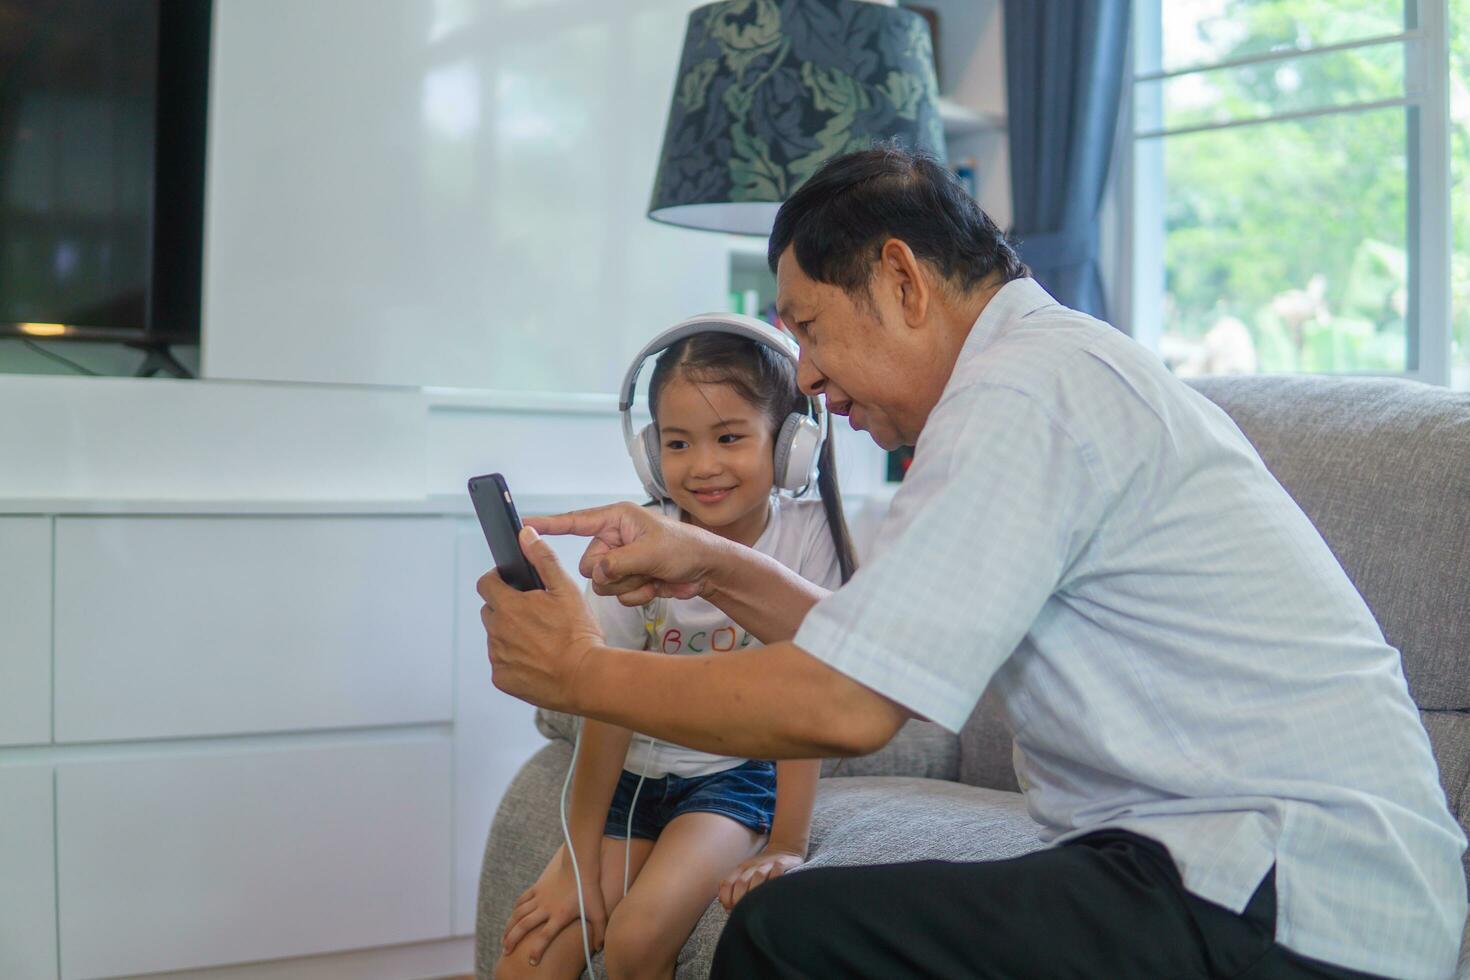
858 355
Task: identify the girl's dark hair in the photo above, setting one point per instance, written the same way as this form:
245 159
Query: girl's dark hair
839 219
767 380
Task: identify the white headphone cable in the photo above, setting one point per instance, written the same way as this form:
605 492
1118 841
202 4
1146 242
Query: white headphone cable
628 838
572 853
566 834
655 612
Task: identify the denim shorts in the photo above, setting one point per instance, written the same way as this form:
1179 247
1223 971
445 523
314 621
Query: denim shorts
745 794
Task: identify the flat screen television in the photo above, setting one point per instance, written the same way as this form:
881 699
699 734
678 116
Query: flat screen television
103 107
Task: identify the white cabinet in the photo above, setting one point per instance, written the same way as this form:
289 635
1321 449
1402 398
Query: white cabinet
277 740
186 626
27 875
25 631
209 856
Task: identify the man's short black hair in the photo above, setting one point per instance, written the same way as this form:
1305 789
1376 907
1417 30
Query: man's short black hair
840 218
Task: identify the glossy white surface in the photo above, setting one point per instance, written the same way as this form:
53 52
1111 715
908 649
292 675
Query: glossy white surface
452 192
27 874
540 455
25 631
217 857
225 507
125 437
455 503
176 627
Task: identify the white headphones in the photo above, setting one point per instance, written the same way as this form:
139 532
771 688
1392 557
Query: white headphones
798 444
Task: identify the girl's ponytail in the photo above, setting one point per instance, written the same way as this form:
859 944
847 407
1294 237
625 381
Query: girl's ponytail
832 506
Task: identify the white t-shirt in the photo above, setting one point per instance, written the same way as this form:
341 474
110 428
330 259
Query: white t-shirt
797 536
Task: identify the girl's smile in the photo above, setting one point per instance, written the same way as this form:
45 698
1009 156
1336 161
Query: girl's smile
716 451
711 496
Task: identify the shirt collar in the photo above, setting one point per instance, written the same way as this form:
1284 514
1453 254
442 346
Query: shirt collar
1013 301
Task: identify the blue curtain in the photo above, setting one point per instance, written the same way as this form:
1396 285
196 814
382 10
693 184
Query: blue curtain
1064 77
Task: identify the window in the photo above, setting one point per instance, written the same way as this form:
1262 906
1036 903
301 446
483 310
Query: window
1293 166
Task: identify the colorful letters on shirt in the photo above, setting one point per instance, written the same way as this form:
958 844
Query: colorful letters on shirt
705 641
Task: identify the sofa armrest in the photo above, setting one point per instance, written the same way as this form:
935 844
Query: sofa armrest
921 748
557 725
523 837
987 755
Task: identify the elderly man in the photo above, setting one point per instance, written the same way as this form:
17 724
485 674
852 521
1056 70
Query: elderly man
1208 722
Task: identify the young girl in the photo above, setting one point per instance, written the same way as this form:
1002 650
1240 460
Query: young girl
703 826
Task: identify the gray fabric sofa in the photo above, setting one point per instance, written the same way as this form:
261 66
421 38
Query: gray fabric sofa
1382 468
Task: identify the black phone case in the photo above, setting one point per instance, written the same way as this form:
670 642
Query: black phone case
502 527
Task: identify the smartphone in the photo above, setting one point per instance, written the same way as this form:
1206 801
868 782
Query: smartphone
502 527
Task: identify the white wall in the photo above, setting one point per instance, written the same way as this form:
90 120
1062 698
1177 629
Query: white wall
128 438
425 192
443 192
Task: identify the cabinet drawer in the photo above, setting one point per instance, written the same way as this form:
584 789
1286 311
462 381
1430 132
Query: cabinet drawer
27 874
170 627
206 858
25 630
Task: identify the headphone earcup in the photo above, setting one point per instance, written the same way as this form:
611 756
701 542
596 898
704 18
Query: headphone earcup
655 461
643 450
798 445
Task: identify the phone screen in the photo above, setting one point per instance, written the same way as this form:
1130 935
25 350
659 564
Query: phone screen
502 527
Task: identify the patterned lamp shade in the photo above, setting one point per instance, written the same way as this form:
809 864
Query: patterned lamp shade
769 90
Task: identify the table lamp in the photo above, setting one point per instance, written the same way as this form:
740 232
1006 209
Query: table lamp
769 90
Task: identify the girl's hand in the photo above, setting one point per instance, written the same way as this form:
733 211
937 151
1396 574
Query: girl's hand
550 905
769 863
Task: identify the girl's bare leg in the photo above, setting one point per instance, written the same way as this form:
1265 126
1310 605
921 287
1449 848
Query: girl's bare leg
563 958
678 881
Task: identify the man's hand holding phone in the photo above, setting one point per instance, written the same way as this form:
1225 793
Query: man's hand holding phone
538 638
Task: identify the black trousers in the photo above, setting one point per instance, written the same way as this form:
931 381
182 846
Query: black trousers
1109 905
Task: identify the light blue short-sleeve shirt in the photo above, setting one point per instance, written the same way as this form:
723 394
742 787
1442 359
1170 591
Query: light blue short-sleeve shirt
1177 650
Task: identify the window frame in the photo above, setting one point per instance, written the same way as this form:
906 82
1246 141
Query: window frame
1135 265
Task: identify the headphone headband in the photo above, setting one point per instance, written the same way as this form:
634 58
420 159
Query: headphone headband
732 323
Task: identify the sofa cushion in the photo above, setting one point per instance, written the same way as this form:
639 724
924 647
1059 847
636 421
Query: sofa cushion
985 748
883 820
1382 468
921 748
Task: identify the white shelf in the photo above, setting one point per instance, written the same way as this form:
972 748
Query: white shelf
431 505
961 120
523 402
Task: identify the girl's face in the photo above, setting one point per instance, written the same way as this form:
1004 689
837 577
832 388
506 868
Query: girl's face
716 449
